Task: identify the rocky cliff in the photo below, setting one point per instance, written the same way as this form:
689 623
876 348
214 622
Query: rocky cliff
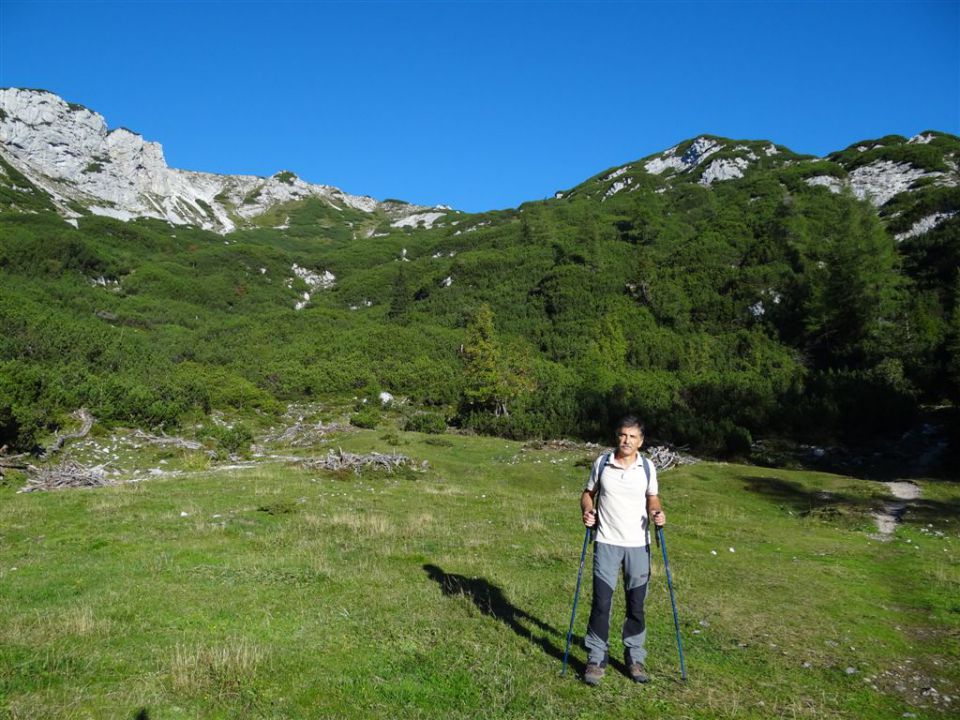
68 151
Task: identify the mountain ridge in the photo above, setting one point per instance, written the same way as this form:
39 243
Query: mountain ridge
865 167
68 153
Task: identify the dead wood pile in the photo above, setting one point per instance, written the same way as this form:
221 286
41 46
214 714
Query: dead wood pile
340 460
666 457
66 475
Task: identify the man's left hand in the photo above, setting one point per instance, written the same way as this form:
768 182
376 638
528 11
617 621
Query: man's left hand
659 519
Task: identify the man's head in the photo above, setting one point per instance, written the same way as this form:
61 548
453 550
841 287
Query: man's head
629 435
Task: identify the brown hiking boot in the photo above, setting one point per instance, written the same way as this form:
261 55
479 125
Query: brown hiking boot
638 673
593 674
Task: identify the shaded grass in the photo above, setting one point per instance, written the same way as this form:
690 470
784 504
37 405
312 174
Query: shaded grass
283 593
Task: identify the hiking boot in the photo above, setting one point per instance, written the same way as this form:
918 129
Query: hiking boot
638 673
593 674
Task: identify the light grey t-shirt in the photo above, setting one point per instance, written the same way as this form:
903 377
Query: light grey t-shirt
622 501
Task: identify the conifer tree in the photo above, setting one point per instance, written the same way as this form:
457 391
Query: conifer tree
852 310
484 386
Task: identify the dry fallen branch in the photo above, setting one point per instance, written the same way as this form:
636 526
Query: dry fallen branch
168 440
13 462
86 420
302 434
67 475
340 460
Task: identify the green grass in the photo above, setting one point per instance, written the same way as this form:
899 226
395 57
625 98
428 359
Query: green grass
278 592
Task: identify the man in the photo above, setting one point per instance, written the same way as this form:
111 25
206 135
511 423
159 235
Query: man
619 499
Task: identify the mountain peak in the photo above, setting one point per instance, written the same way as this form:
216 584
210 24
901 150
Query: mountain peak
68 152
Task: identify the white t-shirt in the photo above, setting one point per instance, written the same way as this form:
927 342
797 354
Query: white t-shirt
622 501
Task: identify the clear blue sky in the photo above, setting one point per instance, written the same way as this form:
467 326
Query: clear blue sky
485 105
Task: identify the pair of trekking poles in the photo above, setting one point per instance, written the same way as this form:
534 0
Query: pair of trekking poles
673 602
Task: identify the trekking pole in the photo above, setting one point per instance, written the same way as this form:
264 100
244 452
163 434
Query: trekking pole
576 596
676 619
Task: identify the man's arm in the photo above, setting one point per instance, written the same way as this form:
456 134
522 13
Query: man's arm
655 510
587 507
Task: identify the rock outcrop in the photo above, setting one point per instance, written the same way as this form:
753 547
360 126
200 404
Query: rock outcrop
68 152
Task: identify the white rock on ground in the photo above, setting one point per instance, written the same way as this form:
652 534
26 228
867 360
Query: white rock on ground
617 187
833 184
315 281
699 150
924 225
615 174
880 181
427 218
727 169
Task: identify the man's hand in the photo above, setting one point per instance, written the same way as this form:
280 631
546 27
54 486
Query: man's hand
659 519
589 518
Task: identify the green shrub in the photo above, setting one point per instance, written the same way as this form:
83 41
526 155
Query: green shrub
516 426
392 438
367 417
426 422
20 428
229 440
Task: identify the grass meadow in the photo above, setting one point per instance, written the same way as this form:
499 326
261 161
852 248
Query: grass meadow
282 592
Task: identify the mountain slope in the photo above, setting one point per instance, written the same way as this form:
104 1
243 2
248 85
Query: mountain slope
722 288
891 173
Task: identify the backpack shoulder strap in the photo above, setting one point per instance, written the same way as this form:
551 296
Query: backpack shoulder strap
604 459
646 469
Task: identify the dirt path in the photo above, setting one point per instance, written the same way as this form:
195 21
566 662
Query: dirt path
903 491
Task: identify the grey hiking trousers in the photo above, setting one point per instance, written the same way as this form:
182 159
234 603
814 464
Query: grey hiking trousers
607 562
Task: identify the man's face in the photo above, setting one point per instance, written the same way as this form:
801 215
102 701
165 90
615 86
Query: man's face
629 440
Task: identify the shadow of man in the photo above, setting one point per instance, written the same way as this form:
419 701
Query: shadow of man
491 601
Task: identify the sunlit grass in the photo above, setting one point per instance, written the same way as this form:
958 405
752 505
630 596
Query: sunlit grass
277 592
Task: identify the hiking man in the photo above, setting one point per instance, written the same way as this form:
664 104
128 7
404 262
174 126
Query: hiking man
619 499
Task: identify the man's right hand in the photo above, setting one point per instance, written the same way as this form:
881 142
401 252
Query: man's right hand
590 518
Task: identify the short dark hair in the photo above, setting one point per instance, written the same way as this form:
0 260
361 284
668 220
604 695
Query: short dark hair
629 421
